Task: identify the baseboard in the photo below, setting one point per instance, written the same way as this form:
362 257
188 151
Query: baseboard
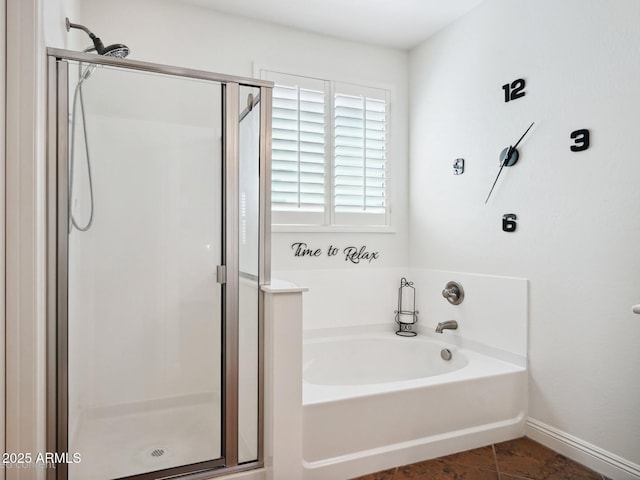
589 455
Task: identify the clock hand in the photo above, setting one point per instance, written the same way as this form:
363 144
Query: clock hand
511 149
507 157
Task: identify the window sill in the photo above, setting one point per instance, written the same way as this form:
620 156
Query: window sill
280 228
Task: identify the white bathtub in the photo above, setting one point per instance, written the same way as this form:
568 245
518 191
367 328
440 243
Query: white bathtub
375 400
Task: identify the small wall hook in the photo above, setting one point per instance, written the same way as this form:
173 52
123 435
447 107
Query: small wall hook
458 166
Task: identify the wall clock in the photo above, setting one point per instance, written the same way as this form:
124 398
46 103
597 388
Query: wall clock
509 155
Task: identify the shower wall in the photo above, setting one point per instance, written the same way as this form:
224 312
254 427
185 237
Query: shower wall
144 309
101 266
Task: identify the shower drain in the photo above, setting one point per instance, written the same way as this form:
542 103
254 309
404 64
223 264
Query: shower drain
157 452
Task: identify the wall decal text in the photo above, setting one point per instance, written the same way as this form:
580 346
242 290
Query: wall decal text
351 254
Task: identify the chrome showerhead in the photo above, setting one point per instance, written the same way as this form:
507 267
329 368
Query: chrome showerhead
116 50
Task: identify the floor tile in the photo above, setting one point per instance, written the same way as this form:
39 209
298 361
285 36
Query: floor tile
385 475
443 470
478 457
521 459
558 476
528 459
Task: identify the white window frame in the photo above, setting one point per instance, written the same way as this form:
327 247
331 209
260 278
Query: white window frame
330 220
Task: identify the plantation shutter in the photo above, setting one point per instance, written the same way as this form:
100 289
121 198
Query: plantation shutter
360 139
329 153
298 146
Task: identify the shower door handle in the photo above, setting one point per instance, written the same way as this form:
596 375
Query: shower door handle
636 309
221 274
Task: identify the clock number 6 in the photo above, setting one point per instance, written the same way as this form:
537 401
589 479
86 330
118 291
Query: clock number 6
581 140
509 222
514 90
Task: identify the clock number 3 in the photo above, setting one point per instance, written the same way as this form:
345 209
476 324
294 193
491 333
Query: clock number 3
509 222
580 139
514 90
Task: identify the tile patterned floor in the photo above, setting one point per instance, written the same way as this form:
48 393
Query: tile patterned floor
521 459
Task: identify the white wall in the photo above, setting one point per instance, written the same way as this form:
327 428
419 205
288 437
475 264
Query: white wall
54 13
578 227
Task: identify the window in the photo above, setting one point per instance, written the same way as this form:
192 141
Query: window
329 144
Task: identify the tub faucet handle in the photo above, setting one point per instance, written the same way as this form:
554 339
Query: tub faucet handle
454 293
450 293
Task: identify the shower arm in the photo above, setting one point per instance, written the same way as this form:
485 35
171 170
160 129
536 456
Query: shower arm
77 25
98 45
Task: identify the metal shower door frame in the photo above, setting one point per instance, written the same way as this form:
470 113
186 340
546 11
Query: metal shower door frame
57 257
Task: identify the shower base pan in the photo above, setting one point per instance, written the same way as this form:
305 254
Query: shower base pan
123 440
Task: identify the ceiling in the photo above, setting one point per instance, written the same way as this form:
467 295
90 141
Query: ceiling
393 23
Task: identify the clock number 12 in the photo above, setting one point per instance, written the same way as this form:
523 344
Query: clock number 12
514 90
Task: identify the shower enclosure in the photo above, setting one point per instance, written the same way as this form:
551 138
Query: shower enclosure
158 244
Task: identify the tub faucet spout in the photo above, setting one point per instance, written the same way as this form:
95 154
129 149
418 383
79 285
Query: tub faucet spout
448 325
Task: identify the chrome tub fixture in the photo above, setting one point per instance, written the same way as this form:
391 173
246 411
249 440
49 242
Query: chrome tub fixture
406 314
448 325
453 292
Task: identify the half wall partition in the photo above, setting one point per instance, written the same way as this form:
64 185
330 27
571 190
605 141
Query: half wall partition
158 245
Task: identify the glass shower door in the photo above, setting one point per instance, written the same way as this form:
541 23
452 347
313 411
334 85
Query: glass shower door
145 236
